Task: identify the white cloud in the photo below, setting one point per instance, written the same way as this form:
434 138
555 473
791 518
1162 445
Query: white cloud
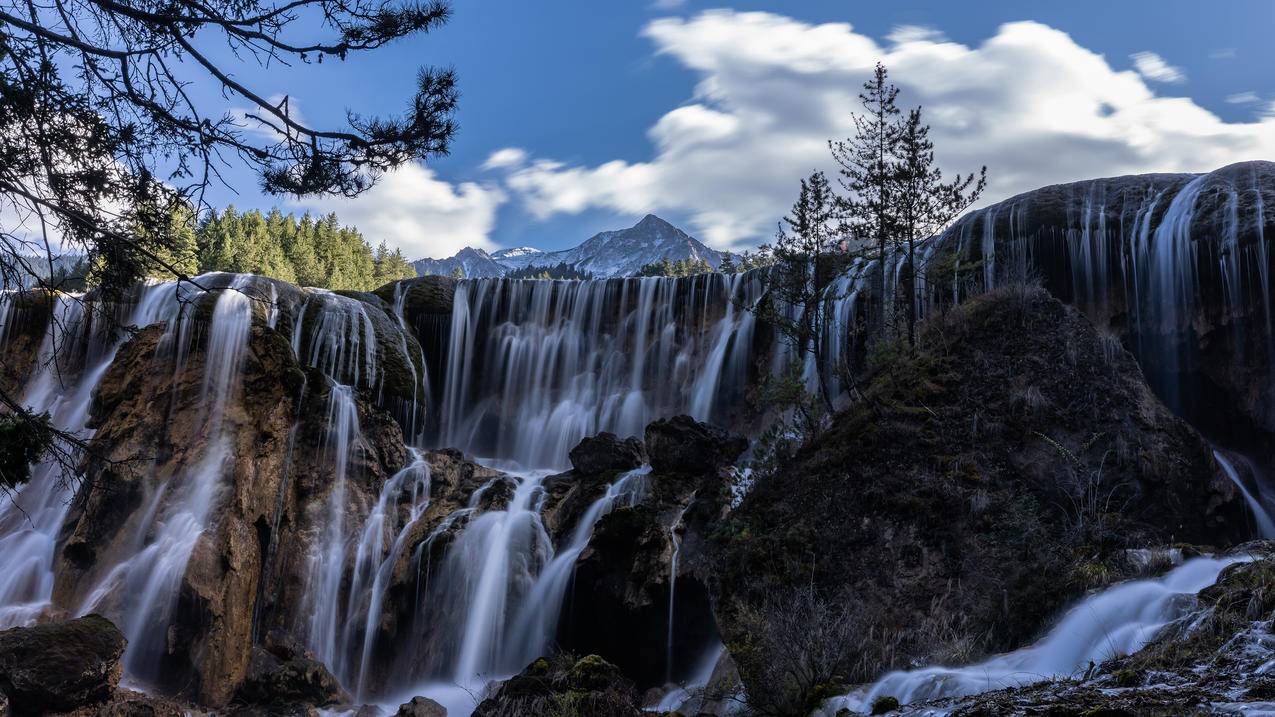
1154 68
415 211
1243 98
1029 102
667 4
505 158
903 34
1223 53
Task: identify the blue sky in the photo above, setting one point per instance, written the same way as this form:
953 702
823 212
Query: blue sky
707 114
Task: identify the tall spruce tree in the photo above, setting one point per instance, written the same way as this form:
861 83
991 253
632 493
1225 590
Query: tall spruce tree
922 202
866 167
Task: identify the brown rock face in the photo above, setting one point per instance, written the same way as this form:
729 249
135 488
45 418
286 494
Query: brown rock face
283 675
23 318
247 568
589 686
58 667
421 707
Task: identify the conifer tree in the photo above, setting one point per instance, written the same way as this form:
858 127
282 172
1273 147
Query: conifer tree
866 165
922 202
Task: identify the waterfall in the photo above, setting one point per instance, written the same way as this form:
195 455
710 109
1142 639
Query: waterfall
1117 621
326 565
492 566
1265 524
176 514
535 366
537 619
676 541
30 518
374 564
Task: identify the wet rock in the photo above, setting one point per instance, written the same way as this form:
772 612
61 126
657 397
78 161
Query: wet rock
281 676
617 604
421 707
1210 357
126 703
560 685
607 452
60 666
683 445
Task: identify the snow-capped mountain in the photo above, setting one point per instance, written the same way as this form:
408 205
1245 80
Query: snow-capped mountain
473 264
615 253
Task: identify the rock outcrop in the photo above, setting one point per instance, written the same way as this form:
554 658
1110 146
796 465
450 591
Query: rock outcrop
980 484
643 557
60 666
246 569
588 686
1179 266
282 675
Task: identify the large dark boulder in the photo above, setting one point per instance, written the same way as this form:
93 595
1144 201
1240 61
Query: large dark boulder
59 667
607 452
683 445
282 673
588 686
421 707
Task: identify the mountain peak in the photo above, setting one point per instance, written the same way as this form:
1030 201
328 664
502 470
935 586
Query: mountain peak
651 221
620 252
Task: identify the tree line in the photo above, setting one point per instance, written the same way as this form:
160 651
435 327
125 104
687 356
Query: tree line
304 250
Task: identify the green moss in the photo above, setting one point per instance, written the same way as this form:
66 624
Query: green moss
1128 678
884 704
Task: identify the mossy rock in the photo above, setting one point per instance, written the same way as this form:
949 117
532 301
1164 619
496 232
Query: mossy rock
884 704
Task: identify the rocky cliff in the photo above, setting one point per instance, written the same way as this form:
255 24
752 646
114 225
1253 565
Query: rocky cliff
979 485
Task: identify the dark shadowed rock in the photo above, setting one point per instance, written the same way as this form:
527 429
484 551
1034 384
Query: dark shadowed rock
683 445
950 503
560 685
421 707
282 674
607 452
60 666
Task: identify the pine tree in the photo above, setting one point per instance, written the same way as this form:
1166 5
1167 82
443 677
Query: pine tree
798 280
866 164
727 265
922 202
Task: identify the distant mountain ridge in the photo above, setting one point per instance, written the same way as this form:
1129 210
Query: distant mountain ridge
621 252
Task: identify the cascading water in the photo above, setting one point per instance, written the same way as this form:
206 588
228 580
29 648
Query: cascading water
1261 516
177 513
537 618
328 557
31 520
676 541
1116 621
539 365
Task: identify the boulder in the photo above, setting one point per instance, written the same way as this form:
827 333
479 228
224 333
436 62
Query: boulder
607 452
683 445
284 676
421 707
61 666
560 685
